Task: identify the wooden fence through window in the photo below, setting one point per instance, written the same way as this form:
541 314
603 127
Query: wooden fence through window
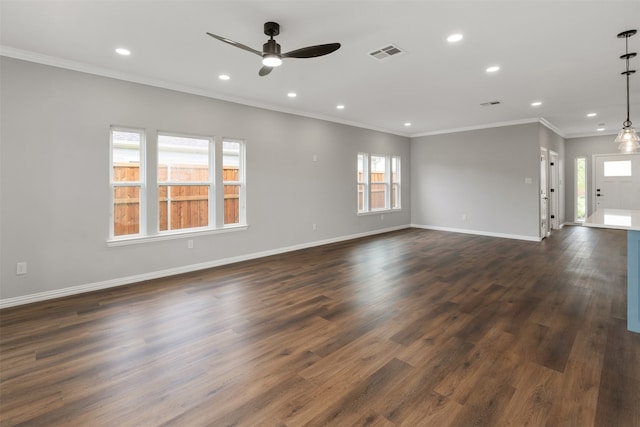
185 206
377 194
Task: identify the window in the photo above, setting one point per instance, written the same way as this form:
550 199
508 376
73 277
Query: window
395 182
617 168
363 182
185 182
581 190
198 186
378 181
233 181
127 179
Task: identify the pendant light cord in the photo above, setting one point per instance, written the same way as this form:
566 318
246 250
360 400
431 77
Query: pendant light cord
627 123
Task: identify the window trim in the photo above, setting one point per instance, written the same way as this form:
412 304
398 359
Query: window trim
388 183
149 228
173 235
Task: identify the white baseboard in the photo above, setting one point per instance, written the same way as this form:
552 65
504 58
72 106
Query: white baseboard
571 223
479 233
74 290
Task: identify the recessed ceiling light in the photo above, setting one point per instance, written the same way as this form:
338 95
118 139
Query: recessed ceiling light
592 114
454 38
407 124
292 94
493 69
122 51
224 77
340 107
536 104
600 129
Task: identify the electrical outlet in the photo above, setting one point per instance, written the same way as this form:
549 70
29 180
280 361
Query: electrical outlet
21 268
190 244
314 227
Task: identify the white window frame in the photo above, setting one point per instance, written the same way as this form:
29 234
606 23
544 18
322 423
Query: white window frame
241 183
210 183
396 184
141 183
388 183
364 182
149 215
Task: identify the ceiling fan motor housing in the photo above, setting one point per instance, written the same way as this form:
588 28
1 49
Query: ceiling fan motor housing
271 48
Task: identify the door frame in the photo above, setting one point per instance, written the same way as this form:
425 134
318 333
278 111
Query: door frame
543 193
554 187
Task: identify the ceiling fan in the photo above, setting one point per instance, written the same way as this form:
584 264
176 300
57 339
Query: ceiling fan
271 56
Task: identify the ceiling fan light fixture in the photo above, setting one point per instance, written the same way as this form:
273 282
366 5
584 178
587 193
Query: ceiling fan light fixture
271 60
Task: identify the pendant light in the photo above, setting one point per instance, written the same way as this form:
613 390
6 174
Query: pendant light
627 138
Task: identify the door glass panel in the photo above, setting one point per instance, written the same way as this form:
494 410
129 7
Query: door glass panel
617 168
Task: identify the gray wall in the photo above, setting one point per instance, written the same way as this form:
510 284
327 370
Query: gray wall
480 173
54 159
584 147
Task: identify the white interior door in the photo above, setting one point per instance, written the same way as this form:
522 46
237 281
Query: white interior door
544 198
617 181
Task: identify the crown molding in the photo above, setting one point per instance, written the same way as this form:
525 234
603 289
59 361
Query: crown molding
546 123
591 134
52 61
478 127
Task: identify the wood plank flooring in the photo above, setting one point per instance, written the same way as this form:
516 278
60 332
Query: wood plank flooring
410 328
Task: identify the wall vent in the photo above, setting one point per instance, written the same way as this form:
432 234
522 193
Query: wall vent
387 52
489 104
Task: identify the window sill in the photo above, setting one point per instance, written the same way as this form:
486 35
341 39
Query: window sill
125 241
379 211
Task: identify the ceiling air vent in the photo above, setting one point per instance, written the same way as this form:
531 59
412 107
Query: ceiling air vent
386 52
489 104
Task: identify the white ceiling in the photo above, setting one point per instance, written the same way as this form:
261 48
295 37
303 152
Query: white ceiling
563 53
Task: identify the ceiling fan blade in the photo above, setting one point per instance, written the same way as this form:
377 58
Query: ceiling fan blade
312 51
236 44
265 70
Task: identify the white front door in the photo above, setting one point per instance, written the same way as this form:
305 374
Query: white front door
544 198
617 181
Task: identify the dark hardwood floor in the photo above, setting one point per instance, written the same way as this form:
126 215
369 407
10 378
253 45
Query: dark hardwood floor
411 328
